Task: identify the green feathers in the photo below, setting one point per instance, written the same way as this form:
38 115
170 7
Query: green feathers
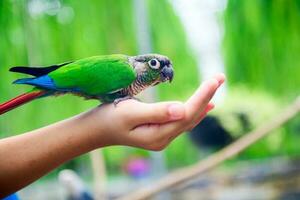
96 75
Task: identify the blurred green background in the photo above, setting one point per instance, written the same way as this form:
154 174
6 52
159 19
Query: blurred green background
260 48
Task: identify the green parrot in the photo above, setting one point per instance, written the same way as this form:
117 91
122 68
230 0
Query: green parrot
109 78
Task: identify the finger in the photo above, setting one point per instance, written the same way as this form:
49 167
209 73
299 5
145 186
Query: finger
209 107
190 127
170 137
200 99
201 117
143 113
195 105
220 78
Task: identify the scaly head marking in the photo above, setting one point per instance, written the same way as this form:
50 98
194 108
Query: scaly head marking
153 68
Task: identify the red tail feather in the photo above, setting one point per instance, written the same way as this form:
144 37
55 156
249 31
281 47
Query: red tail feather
20 100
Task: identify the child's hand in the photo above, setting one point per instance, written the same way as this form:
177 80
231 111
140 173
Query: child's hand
152 126
28 156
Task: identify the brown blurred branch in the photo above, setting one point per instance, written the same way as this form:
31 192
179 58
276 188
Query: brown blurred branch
179 176
99 174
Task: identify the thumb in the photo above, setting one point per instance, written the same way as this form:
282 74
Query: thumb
162 112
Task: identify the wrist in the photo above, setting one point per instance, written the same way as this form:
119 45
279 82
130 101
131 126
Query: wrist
92 127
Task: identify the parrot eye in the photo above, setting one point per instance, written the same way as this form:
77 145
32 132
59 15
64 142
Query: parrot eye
154 63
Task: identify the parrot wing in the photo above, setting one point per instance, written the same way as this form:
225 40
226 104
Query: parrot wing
96 75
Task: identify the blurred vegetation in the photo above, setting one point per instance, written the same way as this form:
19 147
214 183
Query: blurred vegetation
262 45
261 51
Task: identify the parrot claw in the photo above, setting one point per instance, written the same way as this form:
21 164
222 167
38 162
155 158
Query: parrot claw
116 101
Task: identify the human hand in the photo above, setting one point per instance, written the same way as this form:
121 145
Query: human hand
152 126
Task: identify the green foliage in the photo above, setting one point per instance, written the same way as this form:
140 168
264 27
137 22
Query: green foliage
262 45
261 48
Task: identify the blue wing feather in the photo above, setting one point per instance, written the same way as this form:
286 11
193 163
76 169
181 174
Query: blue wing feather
42 82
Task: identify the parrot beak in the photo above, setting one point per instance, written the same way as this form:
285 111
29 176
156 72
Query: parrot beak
167 73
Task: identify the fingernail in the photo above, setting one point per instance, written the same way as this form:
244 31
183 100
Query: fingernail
210 107
208 110
221 78
176 111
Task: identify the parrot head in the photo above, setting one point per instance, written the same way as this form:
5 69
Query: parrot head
153 68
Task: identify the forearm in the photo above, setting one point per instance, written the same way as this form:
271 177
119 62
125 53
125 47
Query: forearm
26 157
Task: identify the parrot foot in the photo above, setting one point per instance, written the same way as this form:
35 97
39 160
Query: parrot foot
116 101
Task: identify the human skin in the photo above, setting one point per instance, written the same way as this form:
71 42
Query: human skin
152 126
